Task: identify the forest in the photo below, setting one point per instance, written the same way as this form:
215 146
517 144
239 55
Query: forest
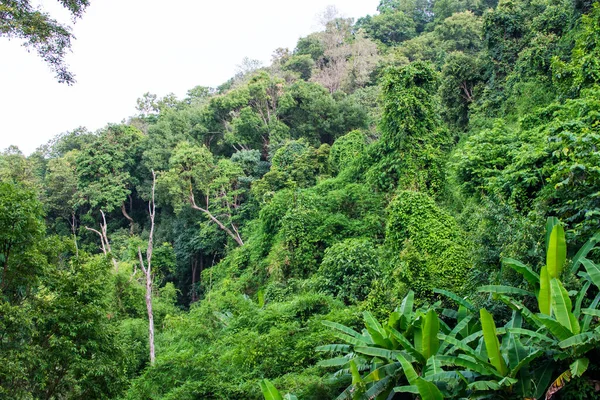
403 206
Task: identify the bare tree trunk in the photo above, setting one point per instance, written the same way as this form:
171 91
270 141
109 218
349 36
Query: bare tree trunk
235 236
74 230
104 240
124 211
148 271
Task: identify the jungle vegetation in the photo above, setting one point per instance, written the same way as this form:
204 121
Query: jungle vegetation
403 206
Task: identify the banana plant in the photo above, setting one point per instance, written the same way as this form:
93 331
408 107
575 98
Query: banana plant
566 326
402 355
270 392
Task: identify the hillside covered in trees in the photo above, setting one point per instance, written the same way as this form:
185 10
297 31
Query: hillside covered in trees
402 206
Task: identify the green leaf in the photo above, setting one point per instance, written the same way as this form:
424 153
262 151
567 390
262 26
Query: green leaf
577 340
342 328
457 329
471 363
406 308
459 300
593 271
428 391
382 372
580 297
355 374
544 294
579 366
501 289
551 222
333 362
561 305
528 274
334 348
583 251
409 371
407 389
588 318
542 377
375 352
408 346
431 328
491 342
559 331
484 385
269 391
556 253
530 333
525 362
433 367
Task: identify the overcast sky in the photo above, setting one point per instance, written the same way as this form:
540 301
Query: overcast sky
125 48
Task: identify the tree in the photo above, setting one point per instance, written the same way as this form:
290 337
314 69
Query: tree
194 173
147 269
20 19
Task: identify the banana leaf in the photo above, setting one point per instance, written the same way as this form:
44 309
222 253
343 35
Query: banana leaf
269 391
501 289
562 306
530 276
556 252
492 344
593 271
459 300
428 391
431 327
545 292
583 251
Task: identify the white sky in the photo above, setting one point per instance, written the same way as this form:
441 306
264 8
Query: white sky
125 48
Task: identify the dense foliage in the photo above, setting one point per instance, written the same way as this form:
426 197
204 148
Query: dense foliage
363 218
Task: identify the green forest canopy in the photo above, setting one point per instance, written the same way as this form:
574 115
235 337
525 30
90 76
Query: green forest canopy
402 206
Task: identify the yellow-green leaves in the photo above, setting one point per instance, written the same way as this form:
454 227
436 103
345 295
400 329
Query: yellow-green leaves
492 344
556 252
562 306
544 294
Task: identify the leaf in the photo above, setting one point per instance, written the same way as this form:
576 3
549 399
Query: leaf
584 250
407 389
433 367
333 362
593 271
484 385
542 377
409 371
528 274
491 342
378 388
524 362
342 328
559 331
470 363
558 384
431 328
556 252
459 300
457 329
269 391
406 308
561 305
580 297
579 366
530 333
588 318
544 294
382 372
341 348
551 222
428 391
501 289
582 338
408 346
375 352
354 372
